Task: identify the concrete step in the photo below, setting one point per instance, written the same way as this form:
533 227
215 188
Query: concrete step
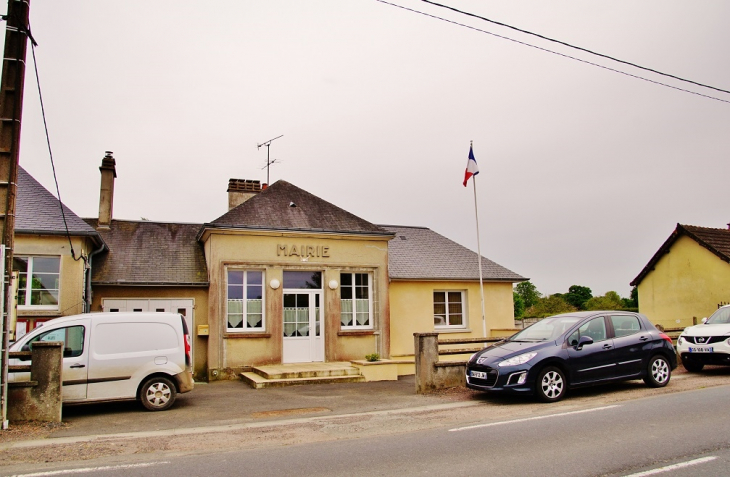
306 370
257 381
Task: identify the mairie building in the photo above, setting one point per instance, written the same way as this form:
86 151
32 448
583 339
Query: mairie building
282 277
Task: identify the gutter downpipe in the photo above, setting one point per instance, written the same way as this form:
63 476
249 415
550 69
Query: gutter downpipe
87 302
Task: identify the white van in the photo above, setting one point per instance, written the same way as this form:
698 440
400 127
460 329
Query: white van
118 356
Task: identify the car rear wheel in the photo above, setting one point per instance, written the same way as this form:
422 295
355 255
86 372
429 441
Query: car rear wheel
551 384
157 394
691 366
658 372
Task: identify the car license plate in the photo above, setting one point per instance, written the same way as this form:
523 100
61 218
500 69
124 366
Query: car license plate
478 374
701 349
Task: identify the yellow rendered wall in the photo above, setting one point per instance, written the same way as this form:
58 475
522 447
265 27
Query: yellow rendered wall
228 351
71 288
687 282
411 311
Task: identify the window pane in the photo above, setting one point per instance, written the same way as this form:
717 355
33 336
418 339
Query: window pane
235 292
46 264
235 277
20 264
346 279
254 291
439 297
302 279
455 320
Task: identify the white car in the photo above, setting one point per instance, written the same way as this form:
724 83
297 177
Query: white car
708 343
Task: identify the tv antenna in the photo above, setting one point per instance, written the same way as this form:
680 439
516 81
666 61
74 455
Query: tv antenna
268 160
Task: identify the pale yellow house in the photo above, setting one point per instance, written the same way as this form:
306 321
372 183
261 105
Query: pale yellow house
687 278
51 258
286 277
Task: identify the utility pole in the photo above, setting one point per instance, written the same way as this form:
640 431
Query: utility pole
11 109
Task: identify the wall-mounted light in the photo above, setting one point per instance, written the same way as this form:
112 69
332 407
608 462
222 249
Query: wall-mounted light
274 284
333 284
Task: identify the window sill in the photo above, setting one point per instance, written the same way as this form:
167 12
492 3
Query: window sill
357 333
233 336
452 330
38 312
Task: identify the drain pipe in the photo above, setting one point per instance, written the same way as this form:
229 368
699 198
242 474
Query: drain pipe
87 302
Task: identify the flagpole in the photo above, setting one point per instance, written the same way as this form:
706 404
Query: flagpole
479 256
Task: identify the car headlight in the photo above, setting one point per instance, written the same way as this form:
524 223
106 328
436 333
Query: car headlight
680 340
519 359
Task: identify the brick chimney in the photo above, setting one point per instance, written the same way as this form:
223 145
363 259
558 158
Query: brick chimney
108 171
240 190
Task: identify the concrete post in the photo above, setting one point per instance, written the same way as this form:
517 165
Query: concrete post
41 401
427 354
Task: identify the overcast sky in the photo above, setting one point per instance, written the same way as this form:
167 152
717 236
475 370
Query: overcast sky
584 172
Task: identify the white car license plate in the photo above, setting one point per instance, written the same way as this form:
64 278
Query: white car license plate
701 349
478 374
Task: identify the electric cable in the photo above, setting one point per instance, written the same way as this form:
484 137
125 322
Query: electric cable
573 46
436 17
48 142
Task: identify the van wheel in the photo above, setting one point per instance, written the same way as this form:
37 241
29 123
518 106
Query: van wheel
157 394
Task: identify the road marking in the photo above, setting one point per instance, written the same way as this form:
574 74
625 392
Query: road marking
669 468
514 421
86 470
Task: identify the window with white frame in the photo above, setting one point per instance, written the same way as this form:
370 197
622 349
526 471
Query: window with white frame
448 309
356 301
39 281
245 299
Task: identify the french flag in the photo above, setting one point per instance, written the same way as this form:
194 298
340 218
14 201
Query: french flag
471 167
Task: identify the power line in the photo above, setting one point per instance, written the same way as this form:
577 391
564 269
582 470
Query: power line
50 151
436 17
574 46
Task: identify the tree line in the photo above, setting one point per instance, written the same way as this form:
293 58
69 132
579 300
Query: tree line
530 303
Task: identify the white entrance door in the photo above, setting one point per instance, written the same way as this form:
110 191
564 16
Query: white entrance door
303 330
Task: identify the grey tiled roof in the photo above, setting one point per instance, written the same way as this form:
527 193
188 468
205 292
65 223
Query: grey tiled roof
716 241
150 253
418 253
284 206
38 211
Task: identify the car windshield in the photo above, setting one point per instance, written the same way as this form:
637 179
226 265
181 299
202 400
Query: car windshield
546 329
721 316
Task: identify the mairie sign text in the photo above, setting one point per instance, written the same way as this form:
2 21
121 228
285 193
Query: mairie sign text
303 251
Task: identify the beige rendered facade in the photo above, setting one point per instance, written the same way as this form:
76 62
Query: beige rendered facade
329 255
687 279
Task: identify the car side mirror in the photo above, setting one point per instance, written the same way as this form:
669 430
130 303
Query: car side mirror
584 340
704 320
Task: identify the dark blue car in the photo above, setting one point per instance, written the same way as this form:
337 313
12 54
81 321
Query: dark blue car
571 350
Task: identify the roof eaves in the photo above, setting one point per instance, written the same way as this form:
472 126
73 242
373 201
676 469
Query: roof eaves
286 229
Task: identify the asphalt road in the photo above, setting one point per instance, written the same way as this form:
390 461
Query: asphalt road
616 439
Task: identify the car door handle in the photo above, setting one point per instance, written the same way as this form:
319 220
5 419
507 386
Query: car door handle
607 346
643 338
77 365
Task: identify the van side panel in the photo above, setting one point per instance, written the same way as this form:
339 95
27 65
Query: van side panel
125 352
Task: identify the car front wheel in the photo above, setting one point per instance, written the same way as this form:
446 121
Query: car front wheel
551 384
658 372
157 394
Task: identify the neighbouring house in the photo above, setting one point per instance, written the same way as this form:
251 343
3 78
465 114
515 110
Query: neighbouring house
287 277
53 251
687 278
